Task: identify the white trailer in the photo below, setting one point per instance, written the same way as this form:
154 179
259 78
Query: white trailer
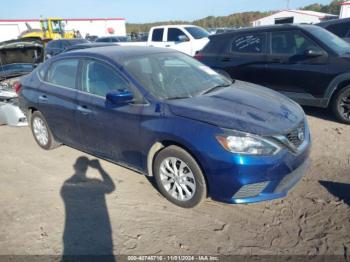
11 28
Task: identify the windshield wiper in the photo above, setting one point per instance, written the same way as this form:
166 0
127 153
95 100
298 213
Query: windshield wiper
212 89
177 97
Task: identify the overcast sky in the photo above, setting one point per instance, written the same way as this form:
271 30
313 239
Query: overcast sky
140 11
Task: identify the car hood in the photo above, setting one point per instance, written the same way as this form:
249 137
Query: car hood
243 107
21 55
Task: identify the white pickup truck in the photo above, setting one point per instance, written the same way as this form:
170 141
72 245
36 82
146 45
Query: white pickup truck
185 38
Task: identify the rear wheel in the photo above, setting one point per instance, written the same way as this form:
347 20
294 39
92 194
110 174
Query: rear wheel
179 177
42 132
341 105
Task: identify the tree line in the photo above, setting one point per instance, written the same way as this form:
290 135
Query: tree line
234 20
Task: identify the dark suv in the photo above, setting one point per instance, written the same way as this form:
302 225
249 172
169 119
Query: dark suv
339 27
307 63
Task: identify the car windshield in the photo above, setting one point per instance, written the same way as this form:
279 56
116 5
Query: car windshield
331 40
173 75
197 32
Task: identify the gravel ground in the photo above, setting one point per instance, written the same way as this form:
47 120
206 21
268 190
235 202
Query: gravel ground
47 210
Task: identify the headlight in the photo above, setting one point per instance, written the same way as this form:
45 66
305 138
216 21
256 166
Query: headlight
243 143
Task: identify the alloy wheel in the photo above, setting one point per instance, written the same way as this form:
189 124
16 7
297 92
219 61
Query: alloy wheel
40 131
177 179
344 105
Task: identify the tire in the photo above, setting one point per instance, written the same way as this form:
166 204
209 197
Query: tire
341 105
191 183
41 132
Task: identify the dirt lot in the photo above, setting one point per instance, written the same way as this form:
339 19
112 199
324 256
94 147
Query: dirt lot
44 210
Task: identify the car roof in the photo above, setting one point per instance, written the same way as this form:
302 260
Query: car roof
334 22
68 39
179 25
111 36
264 29
117 53
90 45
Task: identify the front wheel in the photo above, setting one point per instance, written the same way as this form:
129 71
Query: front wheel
179 177
341 105
42 132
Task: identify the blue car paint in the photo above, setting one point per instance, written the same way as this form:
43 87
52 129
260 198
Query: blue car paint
126 134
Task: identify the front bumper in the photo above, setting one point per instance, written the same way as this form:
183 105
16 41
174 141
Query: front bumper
270 189
239 179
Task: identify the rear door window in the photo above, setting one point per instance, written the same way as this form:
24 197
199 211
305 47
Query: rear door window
249 43
157 35
63 73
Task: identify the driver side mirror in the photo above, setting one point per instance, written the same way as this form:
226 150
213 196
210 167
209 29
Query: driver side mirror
183 38
313 53
119 97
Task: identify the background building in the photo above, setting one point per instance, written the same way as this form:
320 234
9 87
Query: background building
345 10
294 16
11 29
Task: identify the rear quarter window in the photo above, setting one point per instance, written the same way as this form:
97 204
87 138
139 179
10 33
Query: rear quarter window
217 45
249 43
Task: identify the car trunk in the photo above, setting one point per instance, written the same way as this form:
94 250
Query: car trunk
18 57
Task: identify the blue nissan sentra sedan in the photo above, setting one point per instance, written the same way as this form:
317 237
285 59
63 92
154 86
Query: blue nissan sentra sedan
164 114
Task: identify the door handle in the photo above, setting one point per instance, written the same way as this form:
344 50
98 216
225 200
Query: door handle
226 59
84 110
168 46
43 98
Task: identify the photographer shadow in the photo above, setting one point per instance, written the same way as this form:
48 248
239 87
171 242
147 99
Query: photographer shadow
87 230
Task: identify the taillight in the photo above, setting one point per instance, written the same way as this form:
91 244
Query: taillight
198 56
17 86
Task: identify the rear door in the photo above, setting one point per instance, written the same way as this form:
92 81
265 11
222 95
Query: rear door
109 131
157 38
246 56
57 99
290 70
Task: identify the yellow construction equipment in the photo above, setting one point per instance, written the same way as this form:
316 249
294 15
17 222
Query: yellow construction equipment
51 28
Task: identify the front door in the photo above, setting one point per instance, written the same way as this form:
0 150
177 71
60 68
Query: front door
291 70
108 131
178 40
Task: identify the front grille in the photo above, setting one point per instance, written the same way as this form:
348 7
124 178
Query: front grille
297 136
251 190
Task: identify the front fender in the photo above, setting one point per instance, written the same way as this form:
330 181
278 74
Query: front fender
334 85
198 138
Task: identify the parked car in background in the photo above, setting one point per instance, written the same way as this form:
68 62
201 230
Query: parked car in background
164 114
307 63
187 39
56 47
112 39
91 38
339 27
17 58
